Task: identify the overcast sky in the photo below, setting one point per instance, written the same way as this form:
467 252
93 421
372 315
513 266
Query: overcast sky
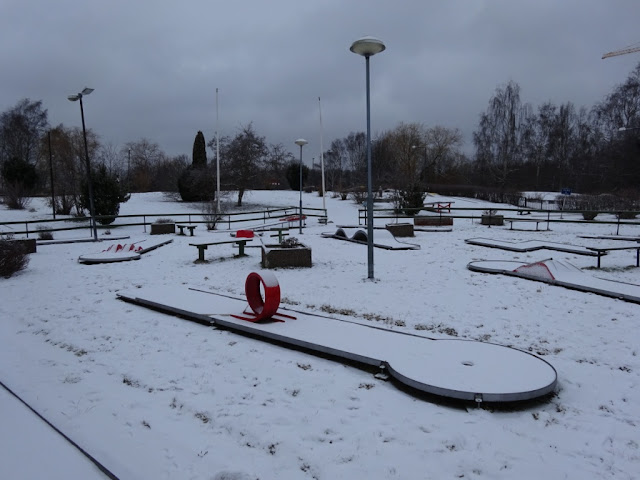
155 64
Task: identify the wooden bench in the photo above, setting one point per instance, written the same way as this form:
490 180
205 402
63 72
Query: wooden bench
604 250
282 232
189 227
529 220
241 242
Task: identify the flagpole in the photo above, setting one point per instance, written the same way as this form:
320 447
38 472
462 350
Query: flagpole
324 206
217 157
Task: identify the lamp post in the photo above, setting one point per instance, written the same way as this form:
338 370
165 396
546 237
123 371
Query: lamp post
53 196
324 205
217 160
423 174
368 46
301 142
73 98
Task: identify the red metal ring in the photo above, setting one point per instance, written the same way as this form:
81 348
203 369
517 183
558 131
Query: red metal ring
267 307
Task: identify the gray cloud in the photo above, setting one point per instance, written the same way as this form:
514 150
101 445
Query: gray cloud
155 65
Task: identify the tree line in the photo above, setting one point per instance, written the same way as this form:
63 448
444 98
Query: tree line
517 147
560 146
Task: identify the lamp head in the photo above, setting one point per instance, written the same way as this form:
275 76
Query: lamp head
87 91
301 142
73 98
367 46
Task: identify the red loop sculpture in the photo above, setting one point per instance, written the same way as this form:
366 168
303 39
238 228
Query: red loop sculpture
267 307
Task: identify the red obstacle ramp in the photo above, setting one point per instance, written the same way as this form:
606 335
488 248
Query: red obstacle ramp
262 308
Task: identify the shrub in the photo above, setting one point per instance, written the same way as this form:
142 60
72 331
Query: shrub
359 195
163 220
13 258
44 234
20 178
211 214
411 200
197 184
290 242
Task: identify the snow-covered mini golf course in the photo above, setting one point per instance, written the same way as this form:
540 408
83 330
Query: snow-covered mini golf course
153 396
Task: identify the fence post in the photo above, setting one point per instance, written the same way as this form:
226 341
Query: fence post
144 223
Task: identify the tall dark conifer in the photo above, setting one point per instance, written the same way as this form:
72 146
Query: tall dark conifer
199 151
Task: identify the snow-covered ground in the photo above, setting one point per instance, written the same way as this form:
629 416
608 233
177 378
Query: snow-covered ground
155 397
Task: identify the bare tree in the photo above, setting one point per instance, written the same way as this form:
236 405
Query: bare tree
109 156
408 154
335 159
167 171
621 108
145 154
356 153
69 165
442 149
21 129
497 140
243 159
275 165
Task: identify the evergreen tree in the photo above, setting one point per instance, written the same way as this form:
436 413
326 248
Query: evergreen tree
199 151
196 183
293 175
108 194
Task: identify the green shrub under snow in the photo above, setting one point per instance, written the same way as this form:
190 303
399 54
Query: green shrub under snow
13 258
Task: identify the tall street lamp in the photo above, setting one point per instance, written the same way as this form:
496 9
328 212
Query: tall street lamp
368 46
73 98
301 142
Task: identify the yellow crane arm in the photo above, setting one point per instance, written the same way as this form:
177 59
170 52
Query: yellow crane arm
621 52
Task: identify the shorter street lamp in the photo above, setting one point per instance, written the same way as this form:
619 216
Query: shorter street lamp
301 142
73 98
